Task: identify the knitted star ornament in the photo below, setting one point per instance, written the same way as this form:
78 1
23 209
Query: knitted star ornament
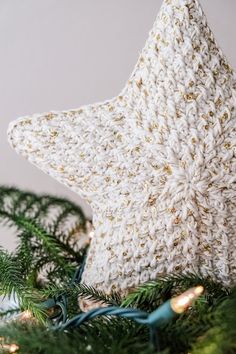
156 163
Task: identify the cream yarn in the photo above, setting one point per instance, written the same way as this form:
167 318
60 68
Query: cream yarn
156 163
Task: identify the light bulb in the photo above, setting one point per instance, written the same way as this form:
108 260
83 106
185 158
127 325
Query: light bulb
90 230
13 348
26 315
10 348
182 302
91 234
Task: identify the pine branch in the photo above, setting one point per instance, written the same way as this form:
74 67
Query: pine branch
221 335
156 292
44 225
89 293
112 337
83 291
32 228
11 283
10 274
14 201
7 314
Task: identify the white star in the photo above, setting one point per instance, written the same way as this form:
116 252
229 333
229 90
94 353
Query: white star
156 163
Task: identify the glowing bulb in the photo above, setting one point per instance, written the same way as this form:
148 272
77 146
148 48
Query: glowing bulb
91 234
26 315
199 290
13 348
90 230
182 302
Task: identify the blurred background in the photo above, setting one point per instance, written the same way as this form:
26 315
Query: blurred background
60 54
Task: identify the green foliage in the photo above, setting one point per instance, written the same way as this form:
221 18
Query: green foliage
46 228
156 293
203 329
11 282
221 337
180 335
82 290
116 337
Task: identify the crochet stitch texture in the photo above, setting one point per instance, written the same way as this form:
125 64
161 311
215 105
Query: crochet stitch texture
156 163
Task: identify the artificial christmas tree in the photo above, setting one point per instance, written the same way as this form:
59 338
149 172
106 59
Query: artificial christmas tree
46 318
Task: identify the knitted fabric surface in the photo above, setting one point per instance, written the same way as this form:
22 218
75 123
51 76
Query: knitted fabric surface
156 163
